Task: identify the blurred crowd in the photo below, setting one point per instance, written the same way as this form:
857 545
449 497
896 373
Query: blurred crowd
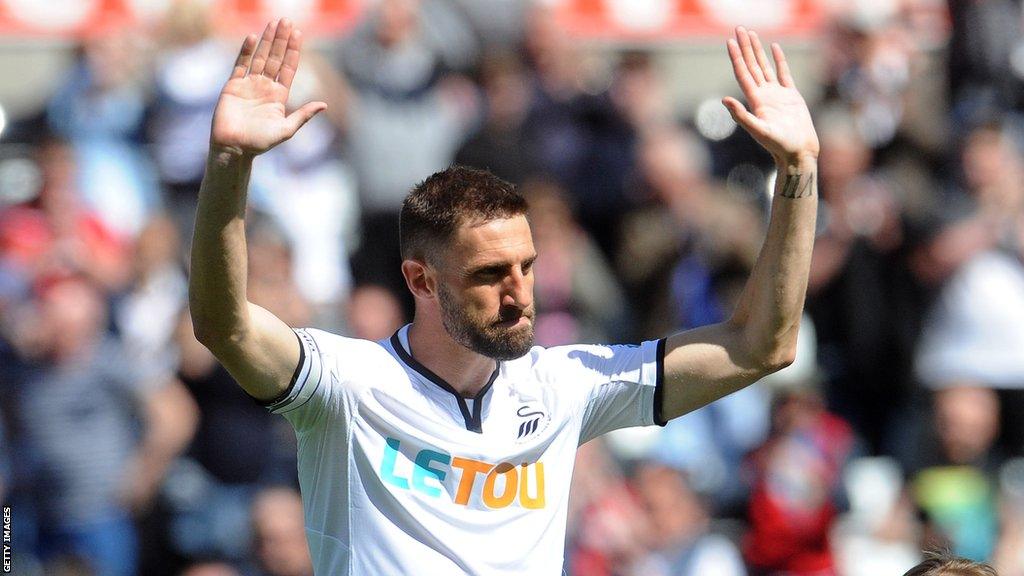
125 448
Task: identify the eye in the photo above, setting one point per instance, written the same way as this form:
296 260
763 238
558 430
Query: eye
528 265
490 273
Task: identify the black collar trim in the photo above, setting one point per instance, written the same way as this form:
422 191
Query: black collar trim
472 418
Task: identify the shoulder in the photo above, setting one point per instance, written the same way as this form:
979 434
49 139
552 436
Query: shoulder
329 343
346 357
578 358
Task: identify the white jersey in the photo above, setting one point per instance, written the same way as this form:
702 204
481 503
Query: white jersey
401 475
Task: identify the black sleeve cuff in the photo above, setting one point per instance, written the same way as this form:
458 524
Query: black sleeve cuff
295 377
659 385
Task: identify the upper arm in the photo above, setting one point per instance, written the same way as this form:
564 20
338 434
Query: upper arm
705 364
262 358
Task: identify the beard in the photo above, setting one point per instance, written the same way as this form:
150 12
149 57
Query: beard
486 337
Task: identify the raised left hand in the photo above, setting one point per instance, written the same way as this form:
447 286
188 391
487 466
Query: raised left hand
778 117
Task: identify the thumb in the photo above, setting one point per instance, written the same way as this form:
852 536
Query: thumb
299 117
739 113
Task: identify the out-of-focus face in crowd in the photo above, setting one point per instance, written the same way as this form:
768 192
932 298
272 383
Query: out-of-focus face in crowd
967 421
373 313
675 513
187 22
507 89
66 318
279 533
992 169
397 21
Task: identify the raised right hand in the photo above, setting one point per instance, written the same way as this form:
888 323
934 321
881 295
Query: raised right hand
251 117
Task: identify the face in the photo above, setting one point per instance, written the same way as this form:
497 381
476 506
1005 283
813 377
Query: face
485 288
280 542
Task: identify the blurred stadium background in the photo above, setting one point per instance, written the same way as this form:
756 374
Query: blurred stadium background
125 449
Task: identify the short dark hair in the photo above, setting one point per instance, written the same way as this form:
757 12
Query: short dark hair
436 207
942 563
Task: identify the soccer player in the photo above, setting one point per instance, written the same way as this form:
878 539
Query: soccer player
448 447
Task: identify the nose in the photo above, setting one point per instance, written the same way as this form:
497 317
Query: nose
517 290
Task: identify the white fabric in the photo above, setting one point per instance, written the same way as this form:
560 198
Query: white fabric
393 482
976 330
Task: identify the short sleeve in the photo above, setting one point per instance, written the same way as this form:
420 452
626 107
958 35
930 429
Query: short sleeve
309 390
622 386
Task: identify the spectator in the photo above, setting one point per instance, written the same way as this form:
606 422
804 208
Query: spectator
310 191
279 533
146 314
797 491
76 400
870 64
402 114
982 75
100 110
502 143
957 488
881 532
681 541
189 71
975 332
606 526
55 235
578 299
374 313
859 284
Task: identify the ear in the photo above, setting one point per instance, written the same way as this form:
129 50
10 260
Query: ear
420 278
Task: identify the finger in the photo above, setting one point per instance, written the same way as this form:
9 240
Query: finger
744 118
298 118
259 59
739 67
762 58
748 55
291 59
278 49
244 57
785 78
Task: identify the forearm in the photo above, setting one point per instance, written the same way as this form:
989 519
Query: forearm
217 282
770 308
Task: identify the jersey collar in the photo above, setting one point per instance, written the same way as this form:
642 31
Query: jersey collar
399 341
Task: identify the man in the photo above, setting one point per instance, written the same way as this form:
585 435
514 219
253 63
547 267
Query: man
75 401
449 447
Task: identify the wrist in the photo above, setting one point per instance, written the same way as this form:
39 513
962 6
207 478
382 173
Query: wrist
225 156
799 163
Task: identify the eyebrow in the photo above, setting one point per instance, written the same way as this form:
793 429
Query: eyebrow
497 266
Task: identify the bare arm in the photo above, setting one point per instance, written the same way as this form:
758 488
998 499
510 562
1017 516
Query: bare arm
704 364
259 350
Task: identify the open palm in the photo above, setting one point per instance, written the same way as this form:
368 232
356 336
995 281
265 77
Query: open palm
251 117
778 117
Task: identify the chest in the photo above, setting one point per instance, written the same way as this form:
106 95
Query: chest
415 442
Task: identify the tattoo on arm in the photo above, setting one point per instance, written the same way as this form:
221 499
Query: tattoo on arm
798 186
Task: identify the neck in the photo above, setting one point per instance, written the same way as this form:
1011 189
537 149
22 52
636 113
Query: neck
464 370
